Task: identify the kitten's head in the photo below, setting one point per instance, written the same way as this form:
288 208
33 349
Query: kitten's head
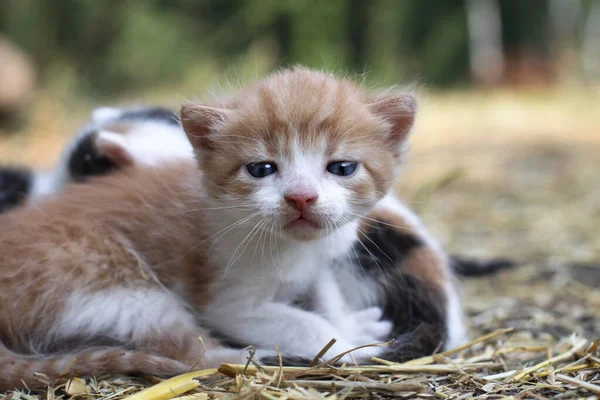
307 150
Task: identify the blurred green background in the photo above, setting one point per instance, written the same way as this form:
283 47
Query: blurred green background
109 47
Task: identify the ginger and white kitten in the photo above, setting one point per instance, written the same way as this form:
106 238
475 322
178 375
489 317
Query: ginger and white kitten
424 313
151 258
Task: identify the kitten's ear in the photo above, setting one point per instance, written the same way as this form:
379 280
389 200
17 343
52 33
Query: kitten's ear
200 123
399 110
114 146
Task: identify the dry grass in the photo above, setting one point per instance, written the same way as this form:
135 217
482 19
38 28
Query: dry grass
503 364
492 174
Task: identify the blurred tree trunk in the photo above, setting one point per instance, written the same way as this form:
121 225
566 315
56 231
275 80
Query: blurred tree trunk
591 43
357 31
282 28
564 17
485 41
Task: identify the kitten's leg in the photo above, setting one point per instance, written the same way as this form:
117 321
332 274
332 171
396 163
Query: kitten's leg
294 331
150 319
196 349
358 327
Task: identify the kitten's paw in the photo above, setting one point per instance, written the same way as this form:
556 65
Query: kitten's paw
366 327
369 314
379 330
373 326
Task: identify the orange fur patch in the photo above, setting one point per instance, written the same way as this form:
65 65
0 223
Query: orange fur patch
95 236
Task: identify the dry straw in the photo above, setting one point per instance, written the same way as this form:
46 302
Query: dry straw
495 366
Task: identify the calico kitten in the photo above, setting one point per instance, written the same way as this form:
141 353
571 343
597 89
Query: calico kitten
114 138
152 257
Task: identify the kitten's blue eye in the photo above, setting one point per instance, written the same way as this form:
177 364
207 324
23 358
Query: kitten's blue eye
342 168
261 169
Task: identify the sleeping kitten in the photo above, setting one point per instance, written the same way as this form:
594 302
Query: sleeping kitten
113 139
152 257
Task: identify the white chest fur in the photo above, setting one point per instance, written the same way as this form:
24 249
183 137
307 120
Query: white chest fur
273 269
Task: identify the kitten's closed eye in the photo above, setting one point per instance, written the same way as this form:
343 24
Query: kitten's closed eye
342 168
261 169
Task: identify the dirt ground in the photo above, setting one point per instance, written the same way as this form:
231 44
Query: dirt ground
492 174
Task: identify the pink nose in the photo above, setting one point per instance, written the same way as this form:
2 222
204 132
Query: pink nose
300 200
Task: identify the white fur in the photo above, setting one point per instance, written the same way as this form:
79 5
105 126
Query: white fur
140 316
104 114
456 331
362 326
44 184
272 267
123 314
152 142
251 303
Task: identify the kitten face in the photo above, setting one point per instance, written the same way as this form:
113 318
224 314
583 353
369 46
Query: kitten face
307 150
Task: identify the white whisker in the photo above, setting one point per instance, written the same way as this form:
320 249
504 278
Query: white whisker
381 222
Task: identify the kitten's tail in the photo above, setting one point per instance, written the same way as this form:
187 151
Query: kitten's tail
471 267
20 370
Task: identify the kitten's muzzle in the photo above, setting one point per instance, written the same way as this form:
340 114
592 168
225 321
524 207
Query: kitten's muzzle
302 219
300 201
301 224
